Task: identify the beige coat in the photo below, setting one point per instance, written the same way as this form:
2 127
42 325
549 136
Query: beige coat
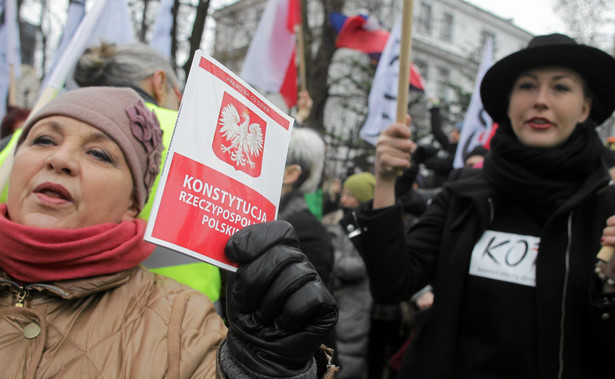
133 324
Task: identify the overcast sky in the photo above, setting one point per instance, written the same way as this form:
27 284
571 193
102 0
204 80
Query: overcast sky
535 16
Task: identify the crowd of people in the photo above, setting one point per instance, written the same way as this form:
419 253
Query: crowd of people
488 271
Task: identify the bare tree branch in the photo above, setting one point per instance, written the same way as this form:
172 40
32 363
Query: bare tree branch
317 69
144 24
587 20
197 32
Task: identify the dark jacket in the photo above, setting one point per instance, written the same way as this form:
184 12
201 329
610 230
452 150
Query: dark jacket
351 292
439 160
437 250
315 241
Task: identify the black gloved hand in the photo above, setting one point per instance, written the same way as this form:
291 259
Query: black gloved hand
278 308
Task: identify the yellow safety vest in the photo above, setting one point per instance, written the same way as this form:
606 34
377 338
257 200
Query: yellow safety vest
201 276
8 149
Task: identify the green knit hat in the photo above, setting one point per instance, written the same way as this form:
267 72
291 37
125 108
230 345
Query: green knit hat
361 185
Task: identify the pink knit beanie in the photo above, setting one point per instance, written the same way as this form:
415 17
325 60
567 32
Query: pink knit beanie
122 115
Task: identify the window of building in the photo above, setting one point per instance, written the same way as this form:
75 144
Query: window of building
423 68
446 32
444 77
425 18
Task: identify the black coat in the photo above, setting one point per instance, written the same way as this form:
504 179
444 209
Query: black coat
315 241
437 251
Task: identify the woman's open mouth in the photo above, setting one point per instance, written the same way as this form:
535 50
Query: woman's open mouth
539 123
53 194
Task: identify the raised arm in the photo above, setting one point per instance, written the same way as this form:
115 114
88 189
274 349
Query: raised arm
393 152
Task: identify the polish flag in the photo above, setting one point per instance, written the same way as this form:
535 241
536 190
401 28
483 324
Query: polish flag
364 33
270 61
359 32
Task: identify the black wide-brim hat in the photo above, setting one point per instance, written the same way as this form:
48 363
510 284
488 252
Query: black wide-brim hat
554 50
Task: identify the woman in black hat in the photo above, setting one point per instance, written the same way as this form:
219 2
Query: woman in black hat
511 249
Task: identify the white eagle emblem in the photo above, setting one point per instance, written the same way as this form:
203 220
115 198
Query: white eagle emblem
246 139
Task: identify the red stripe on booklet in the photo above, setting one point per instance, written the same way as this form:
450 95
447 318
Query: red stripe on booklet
245 92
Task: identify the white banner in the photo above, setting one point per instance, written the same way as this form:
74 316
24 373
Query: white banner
10 51
161 32
383 94
108 20
477 123
76 12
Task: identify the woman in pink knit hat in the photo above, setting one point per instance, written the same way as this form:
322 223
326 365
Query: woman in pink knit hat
74 302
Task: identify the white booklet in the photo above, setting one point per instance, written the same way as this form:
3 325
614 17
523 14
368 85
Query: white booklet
224 167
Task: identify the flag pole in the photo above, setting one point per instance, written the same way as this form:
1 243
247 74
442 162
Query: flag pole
605 253
12 101
404 62
404 65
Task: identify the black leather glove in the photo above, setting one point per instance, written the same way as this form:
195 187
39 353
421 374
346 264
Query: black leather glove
278 308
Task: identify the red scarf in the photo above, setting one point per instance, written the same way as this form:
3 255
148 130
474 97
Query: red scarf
32 255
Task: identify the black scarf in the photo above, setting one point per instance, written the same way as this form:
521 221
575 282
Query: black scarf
543 178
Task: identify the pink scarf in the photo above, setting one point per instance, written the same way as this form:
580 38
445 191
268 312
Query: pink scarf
32 255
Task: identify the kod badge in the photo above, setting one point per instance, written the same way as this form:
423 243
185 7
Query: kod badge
506 256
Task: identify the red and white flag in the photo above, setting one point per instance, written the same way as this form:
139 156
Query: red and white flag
360 32
270 61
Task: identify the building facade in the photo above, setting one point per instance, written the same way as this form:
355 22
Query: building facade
448 36
447 43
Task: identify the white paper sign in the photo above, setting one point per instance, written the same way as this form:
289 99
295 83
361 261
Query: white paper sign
224 166
507 257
